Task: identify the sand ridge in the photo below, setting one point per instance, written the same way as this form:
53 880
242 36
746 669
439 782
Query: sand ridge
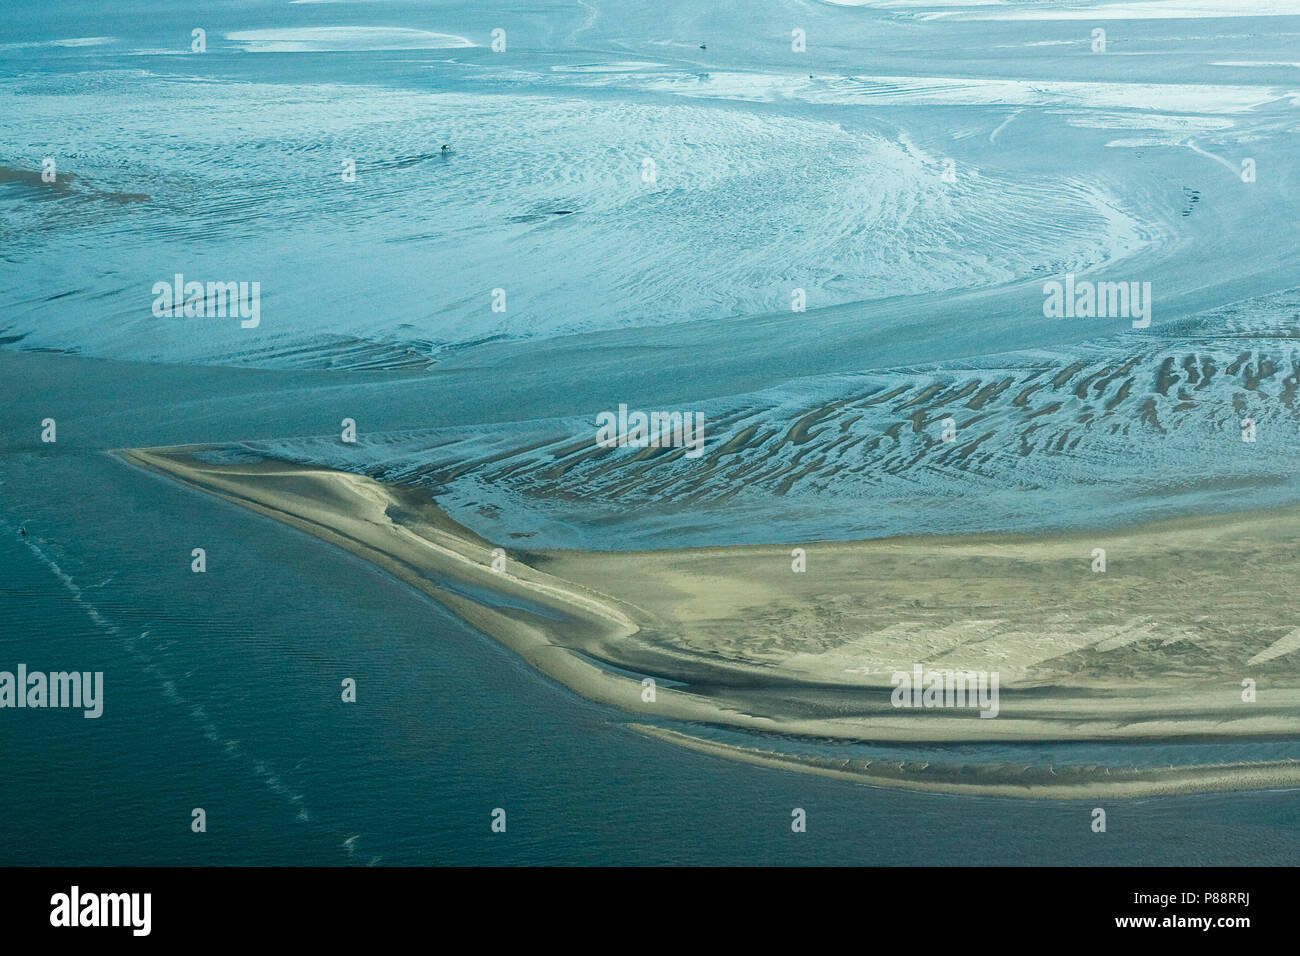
1155 648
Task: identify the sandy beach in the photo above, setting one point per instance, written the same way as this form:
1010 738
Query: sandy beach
1154 648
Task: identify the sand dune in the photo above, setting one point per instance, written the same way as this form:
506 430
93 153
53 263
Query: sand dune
1155 648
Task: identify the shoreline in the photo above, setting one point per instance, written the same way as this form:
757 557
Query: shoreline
1004 780
728 637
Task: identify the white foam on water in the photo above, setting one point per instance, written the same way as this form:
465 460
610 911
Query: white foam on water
168 683
548 190
1131 10
629 66
69 43
1128 10
1254 63
897 4
952 91
343 39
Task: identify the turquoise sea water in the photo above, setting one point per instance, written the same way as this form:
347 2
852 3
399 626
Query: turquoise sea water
222 690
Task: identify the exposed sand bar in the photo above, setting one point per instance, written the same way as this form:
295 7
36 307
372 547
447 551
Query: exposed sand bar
1007 780
1154 648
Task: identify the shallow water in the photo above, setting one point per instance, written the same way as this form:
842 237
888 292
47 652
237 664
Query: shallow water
222 692
773 171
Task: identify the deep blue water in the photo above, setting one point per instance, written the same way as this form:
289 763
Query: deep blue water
447 726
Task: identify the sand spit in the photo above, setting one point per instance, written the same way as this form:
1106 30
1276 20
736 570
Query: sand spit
1154 648
1009 780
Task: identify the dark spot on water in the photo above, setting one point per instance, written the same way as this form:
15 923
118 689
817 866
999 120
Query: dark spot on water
539 216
